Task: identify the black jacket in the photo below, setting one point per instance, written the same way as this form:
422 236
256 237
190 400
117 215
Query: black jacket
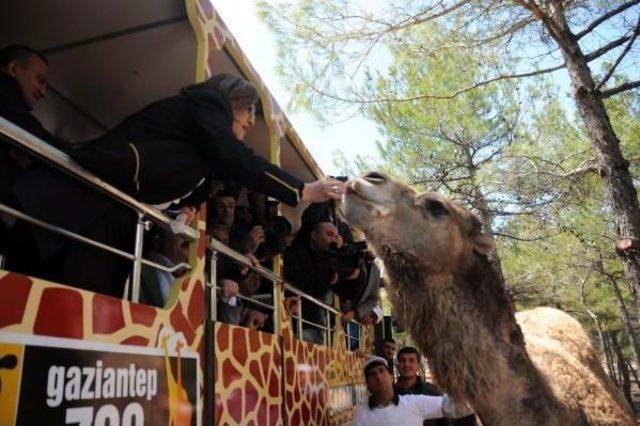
306 270
14 108
162 152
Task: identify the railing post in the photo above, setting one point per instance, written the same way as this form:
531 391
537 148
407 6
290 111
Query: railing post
209 339
328 314
213 279
1 261
276 308
300 322
137 260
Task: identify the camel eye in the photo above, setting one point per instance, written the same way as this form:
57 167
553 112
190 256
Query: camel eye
436 208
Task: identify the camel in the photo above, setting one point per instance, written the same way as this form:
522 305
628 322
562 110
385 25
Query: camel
537 367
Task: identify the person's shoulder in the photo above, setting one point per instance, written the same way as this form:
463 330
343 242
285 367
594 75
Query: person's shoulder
361 415
417 399
429 389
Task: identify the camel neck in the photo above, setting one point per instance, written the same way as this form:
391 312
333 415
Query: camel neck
475 347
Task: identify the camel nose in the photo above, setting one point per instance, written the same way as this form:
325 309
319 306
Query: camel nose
375 178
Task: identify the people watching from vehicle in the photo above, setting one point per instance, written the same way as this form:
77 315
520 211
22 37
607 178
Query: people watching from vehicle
24 79
167 249
409 382
359 298
305 267
166 153
386 407
24 74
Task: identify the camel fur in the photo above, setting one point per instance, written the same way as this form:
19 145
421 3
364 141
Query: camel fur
534 368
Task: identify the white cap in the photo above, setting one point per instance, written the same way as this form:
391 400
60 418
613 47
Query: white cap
372 360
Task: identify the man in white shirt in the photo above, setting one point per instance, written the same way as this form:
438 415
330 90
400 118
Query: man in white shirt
386 407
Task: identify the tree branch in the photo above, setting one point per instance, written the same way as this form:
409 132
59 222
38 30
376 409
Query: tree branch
622 55
427 96
609 46
542 237
606 16
621 88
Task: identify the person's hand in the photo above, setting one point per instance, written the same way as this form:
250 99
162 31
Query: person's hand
254 239
334 278
339 241
348 316
369 319
188 214
229 288
292 304
254 319
254 261
353 275
323 189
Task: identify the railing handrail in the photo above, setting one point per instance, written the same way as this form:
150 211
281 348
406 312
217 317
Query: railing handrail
51 154
244 260
264 272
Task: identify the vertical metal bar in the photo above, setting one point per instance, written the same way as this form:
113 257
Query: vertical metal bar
276 308
213 279
348 325
300 330
328 315
137 261
2 257
209 341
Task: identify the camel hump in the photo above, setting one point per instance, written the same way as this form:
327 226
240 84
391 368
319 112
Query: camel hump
553 323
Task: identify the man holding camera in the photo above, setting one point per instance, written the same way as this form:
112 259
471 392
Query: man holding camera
307 267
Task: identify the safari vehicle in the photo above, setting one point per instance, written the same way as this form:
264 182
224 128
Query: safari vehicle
69 356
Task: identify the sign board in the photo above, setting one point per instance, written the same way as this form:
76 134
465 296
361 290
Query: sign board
46 380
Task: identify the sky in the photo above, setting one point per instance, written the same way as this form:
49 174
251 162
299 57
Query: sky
351 136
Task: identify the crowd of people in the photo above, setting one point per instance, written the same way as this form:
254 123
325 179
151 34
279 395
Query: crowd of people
175 154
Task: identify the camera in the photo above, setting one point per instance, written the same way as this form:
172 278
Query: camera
276 228
345 259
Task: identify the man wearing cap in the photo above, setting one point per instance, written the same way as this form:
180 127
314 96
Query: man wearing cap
386 407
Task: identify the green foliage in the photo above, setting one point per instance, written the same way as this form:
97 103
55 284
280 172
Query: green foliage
513 150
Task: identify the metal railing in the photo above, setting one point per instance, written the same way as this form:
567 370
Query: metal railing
25 140
219 248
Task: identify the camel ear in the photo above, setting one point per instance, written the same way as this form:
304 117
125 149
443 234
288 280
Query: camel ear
483 244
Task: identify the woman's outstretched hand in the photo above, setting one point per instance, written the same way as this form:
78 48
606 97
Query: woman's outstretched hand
323 189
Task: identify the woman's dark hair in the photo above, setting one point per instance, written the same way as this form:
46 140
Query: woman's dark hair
238 91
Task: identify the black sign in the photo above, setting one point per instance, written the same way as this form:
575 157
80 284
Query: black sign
103 385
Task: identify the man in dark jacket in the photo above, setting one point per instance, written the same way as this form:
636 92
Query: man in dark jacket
410 383
24 76
305 267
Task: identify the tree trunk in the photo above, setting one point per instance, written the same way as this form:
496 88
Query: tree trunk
622 368
606 349
480 203
626 321
613 167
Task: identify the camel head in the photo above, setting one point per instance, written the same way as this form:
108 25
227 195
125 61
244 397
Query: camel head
428 228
